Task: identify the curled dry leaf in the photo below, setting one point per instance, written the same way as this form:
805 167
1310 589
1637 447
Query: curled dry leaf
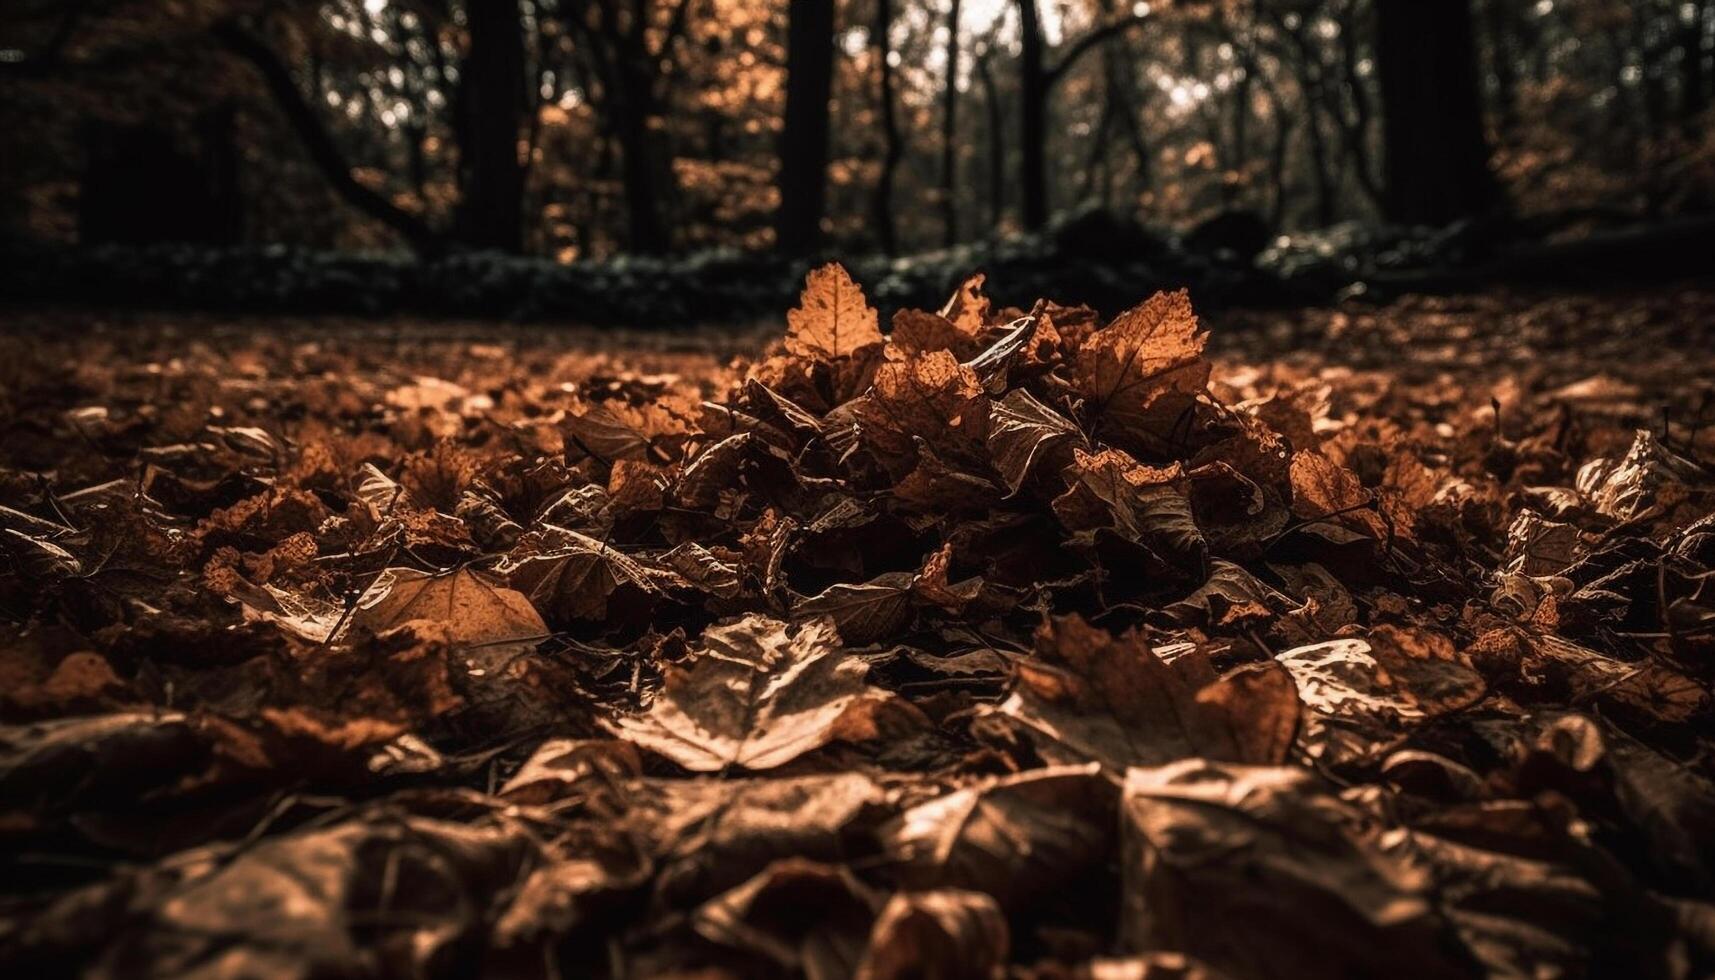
1018 839
942 933
809 919
1113 700
865 612
1262 871
574 576
1024 433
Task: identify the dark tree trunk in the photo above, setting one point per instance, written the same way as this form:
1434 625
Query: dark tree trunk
1498 18
643 169
950 134
892 149
1437 167
491 86
1693 80
804 136
1033 117
996 142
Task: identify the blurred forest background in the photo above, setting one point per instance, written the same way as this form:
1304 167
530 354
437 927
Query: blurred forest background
588 129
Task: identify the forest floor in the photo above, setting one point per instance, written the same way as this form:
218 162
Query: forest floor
1328 643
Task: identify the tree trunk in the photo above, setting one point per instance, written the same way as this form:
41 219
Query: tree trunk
1437 153
1693 81
492 87
996 142
892 150
804 136
950 134
1033 117
642 168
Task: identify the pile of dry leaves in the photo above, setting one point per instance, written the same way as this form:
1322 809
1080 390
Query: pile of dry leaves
1006 643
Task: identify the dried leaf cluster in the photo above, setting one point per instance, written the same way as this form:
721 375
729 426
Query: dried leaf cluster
1004 643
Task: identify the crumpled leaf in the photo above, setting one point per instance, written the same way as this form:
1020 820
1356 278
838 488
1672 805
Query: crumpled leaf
810 919
864 612
1095 696
946 933
1023 432
1263 872
379 893
1627 487
709 834
574 576
758 695
1142 503
1018 839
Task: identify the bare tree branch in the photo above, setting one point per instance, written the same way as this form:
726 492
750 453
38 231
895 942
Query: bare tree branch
318 141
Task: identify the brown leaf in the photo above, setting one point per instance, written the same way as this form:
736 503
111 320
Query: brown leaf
574 576
832 320
943 933
1024 432
866 612
1115 701
1141 372
768 916
1018 839
933 398
757 696
1143 504
1263 872
470 607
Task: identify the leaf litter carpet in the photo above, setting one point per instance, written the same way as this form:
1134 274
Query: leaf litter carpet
1358 642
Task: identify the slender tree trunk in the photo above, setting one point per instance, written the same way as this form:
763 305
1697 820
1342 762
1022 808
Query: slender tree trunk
950 133
492 87
1693 78
892 150
1033 117
1437 153
996 142
804 136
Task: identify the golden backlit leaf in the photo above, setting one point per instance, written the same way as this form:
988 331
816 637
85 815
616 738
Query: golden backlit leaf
1140 372
832 319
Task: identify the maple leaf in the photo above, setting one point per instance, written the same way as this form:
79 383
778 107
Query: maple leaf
832 319
1142 371
757 696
